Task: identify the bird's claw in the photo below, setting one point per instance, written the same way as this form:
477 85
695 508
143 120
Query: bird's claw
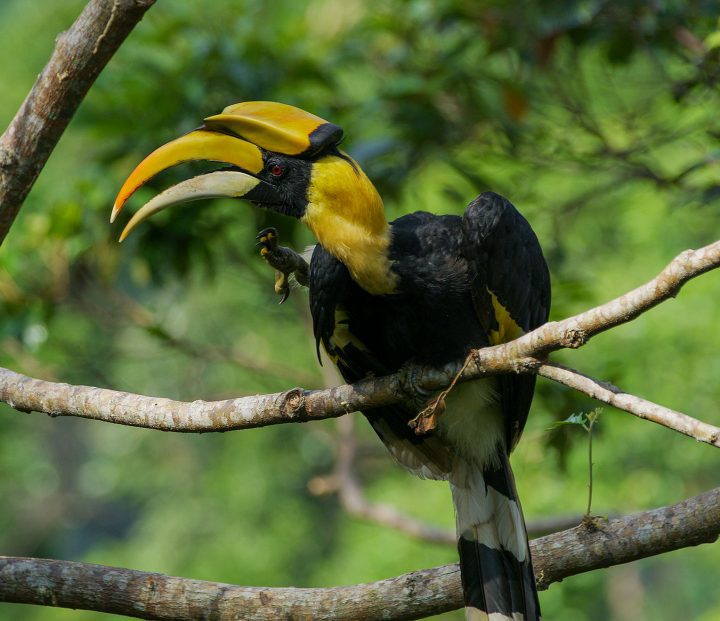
427 420
429 403
285 260
268 240
282 286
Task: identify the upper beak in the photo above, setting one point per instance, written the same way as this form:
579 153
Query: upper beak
201 144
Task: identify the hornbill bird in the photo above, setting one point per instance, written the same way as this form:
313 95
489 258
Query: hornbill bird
424 289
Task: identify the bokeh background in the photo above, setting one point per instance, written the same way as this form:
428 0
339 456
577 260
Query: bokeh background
599 120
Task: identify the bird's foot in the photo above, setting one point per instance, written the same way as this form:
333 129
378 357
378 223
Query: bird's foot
285 261
426 421
429 403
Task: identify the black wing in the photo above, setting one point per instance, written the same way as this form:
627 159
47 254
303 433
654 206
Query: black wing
329 284
510 286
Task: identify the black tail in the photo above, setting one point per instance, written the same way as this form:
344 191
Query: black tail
497 575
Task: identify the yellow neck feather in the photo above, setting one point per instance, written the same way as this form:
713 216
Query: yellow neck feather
345 212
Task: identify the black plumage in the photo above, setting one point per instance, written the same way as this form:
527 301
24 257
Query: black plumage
463 282
448 268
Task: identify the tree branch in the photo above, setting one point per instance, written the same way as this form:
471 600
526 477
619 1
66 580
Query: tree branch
80 55
523 355
143 319
612 395
595 544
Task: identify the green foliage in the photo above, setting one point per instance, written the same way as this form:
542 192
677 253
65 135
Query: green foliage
598 120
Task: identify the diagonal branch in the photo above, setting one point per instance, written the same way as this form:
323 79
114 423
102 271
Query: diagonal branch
144 320
80 55
523 355
608 393
594 544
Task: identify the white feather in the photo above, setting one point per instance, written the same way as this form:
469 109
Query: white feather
472 423
485 515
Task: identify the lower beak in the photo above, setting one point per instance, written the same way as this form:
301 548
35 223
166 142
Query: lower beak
206 145
223 183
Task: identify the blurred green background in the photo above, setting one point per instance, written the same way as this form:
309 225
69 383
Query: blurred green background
599 120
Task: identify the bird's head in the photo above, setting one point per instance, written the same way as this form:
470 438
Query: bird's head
284 159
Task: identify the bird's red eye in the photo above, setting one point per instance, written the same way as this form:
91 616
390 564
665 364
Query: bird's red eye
276 170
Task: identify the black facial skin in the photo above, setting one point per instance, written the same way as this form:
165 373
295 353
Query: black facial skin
292 182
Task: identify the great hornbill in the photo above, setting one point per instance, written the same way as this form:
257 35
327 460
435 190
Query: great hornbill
424 289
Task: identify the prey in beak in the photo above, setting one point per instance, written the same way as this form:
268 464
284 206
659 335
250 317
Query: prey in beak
270 147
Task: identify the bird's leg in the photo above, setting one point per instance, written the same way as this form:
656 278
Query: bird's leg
285 261
427 419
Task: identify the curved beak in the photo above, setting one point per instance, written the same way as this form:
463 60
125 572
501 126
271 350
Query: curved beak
223 183
201 144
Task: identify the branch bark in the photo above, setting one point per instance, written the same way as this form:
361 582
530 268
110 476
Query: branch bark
595 544
80 55
612 395
523 355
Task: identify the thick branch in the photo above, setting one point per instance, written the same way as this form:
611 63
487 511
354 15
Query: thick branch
80 55
523 355
595 544
27 394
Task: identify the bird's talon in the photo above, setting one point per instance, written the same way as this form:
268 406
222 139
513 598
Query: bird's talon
284 260
268 232
282 286
281 282
268 242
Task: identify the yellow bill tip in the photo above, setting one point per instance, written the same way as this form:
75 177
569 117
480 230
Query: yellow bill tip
197 145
